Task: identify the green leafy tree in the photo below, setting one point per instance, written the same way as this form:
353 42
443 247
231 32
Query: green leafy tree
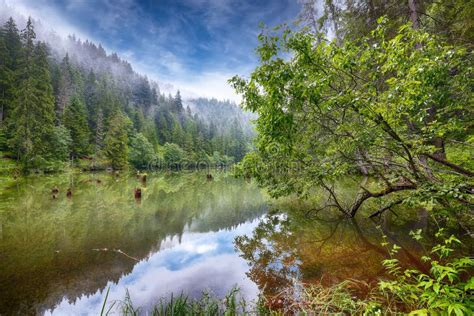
173 155
141 152
75 120
389 106
116 141
348 19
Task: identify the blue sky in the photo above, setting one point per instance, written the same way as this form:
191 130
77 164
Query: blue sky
200 261
195 45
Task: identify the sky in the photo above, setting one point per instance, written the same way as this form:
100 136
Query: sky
198 261
195 45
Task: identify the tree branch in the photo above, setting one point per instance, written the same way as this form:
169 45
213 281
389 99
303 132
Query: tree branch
451 165
386 207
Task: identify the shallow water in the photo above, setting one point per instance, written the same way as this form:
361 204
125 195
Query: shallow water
60 255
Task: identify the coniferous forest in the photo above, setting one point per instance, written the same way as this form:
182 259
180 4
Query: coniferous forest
92 109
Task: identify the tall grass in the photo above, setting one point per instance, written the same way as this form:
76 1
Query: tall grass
208 304
313 300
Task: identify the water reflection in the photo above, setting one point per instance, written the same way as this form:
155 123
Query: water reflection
200 261
47 248
289 249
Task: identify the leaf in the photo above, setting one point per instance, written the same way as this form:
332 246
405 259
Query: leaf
470 284
421 312
436 288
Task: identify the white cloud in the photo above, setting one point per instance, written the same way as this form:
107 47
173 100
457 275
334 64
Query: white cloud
157 57
208 84
48 16
202 261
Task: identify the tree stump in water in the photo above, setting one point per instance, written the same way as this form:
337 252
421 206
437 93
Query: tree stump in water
55 192
138 193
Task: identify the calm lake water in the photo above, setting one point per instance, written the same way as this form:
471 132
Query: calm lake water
186 235
178 238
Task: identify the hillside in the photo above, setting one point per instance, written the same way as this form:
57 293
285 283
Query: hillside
87 103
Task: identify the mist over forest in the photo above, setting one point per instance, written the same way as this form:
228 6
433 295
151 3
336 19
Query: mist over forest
97 107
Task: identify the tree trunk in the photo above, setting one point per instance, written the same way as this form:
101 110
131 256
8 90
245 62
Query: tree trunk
414 14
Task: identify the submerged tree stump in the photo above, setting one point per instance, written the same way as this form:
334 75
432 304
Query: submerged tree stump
138 193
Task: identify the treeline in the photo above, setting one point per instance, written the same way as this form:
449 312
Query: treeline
92 107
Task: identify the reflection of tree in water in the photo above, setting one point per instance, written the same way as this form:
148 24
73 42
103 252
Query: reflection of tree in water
270 254
285 251
46 249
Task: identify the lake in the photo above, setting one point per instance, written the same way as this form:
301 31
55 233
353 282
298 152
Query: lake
185 235
59 256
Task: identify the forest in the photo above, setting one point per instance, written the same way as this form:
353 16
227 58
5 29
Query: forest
92 110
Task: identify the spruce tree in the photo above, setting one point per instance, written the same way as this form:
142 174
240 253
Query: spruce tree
10 49
75 120
69 85
4 77
99 133
116 141
34 102
177 103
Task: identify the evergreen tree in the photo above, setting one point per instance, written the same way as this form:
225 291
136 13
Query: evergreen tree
177 135
34 102
177 103
116 141
75 120
10 49
62 141
91 99
99 133
4 77
69 85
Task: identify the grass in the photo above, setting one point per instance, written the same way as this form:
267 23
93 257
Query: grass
312 300
207 304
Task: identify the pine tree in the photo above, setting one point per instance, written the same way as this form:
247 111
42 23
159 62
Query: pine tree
75 120
116 141
34 102
69 85
4 77
177 103
99 133
10 48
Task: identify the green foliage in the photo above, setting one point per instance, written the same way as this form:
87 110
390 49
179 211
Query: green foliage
173 155
448 287
75 120
382 106
116 141
348 19
37 93
141 152
60 143
208 304
33 111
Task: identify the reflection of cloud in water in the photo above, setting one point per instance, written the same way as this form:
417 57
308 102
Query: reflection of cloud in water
202 261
